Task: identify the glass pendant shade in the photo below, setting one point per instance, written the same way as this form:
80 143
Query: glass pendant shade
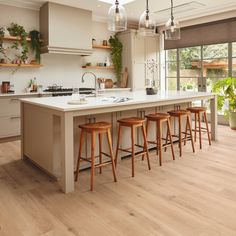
117 18
146 25
172 30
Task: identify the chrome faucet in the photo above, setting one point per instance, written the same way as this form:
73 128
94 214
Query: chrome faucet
95 80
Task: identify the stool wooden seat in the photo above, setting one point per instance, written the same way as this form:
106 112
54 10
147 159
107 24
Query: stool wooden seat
133 123
198 112
160 118
93 127
180 114
99 128
177 113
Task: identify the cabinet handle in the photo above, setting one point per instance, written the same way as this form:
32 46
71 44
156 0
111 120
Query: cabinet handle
15 117
15 99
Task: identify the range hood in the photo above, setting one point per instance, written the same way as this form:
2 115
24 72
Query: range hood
65 29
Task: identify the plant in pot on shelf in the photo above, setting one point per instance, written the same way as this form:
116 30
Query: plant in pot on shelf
35 44
116 55
19 31
1 40
152 70
226 90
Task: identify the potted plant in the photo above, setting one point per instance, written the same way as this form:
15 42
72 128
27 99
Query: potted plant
19 31
226 90
152 70
35 44
116 55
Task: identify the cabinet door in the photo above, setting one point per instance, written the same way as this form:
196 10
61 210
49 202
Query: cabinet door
139 76
9 126
151 49
10 106
139 50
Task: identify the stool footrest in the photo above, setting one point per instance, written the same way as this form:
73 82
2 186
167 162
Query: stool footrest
164 145
103 164
105 154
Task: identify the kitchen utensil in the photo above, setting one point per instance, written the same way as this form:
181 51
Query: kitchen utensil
124 79
108 83
5 86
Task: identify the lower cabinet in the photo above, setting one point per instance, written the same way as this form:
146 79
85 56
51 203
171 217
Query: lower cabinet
9 126
9 117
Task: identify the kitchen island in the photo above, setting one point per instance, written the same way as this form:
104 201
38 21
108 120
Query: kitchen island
50 125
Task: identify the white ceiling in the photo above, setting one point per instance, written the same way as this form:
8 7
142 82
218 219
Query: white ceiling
185 9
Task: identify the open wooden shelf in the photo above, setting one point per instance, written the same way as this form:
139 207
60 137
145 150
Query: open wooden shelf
98 67
21 65
102 47
13 38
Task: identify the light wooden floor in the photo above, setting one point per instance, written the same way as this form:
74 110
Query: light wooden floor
194 195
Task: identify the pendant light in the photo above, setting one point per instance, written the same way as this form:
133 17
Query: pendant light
172 28
146 23
117 18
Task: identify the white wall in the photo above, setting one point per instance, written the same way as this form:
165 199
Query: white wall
63 70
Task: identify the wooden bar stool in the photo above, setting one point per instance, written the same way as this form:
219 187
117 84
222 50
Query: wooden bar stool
160 118
180 114
198 112
133 123
99 128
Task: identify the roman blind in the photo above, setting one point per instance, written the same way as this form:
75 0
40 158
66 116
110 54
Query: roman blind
222 31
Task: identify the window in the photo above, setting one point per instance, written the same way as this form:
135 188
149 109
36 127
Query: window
196 68
234 59
215 63
190 68
171 69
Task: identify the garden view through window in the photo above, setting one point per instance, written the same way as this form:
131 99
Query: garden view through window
187 68
197 68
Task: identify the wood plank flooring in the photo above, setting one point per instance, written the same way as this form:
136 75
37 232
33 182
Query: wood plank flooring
193 195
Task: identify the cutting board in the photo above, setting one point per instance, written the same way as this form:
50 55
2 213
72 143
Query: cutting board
124 79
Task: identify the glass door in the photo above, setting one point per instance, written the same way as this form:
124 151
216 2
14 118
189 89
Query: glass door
190 68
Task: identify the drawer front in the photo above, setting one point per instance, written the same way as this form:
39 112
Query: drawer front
9 107
9 126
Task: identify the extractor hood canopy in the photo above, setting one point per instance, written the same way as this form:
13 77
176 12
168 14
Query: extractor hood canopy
65 29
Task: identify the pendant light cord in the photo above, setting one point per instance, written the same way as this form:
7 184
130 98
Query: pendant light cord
172 15
117 6
147 10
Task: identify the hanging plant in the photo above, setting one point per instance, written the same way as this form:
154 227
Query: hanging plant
1 40
19 31
35 44
116 55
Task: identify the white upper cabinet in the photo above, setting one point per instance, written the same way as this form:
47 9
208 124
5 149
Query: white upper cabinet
137 51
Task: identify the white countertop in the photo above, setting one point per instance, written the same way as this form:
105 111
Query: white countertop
138 97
